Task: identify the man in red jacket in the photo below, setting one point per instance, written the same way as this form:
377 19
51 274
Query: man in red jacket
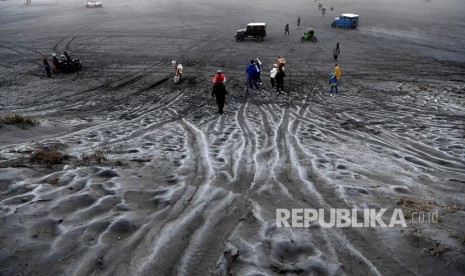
219 77
219 92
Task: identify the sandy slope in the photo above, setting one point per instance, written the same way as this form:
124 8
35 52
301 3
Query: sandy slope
185 191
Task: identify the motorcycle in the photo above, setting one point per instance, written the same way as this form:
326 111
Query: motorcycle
70 67
307 37
178 75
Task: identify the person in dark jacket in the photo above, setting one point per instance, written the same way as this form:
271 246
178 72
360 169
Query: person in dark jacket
286 29
219 92
252 74
47 67
336 52
68 58
280 80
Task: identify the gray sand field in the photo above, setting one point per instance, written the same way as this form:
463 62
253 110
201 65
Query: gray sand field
154 182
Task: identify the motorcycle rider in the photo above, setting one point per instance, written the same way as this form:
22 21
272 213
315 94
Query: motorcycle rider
68 58
177 67
310 32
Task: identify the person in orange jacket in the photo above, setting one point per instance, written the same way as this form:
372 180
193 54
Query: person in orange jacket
219 77
337 72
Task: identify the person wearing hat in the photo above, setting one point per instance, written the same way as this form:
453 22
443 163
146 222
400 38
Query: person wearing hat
219 92
56 63
219 76
273 74
47 67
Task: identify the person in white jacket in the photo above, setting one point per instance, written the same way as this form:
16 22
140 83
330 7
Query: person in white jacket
273 74
258 63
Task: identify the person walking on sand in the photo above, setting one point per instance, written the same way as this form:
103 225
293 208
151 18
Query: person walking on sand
286 29
337 72
219 92
47 67
280 80
252 72
333 82
336 52
273 73
298 22
219 77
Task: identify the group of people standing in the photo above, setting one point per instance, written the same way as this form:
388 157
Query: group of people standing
277 75
58 66
253 70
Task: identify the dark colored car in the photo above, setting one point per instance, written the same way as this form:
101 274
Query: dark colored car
255 31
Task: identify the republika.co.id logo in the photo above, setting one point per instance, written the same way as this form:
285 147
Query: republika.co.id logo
346 218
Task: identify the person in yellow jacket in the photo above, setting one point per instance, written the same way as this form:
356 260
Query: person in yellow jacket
337 72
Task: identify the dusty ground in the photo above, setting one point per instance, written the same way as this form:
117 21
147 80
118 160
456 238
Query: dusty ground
156 183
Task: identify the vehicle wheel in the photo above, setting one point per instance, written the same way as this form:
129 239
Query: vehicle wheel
302 39
314 39
239 38
354 25
333 25
177 78
258 38
77 66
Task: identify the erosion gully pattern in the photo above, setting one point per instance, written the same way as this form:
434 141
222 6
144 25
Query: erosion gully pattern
195 193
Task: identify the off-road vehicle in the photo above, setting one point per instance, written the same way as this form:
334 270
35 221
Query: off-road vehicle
256 31
347 20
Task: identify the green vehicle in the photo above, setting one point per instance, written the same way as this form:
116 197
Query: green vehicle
309 36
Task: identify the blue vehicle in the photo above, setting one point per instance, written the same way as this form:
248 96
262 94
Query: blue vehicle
346 20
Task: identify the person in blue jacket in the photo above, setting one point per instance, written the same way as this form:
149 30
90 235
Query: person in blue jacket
333 82
47 67
252 74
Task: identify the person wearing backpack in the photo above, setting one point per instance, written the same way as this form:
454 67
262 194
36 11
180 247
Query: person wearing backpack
219 77
252 74
333 82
